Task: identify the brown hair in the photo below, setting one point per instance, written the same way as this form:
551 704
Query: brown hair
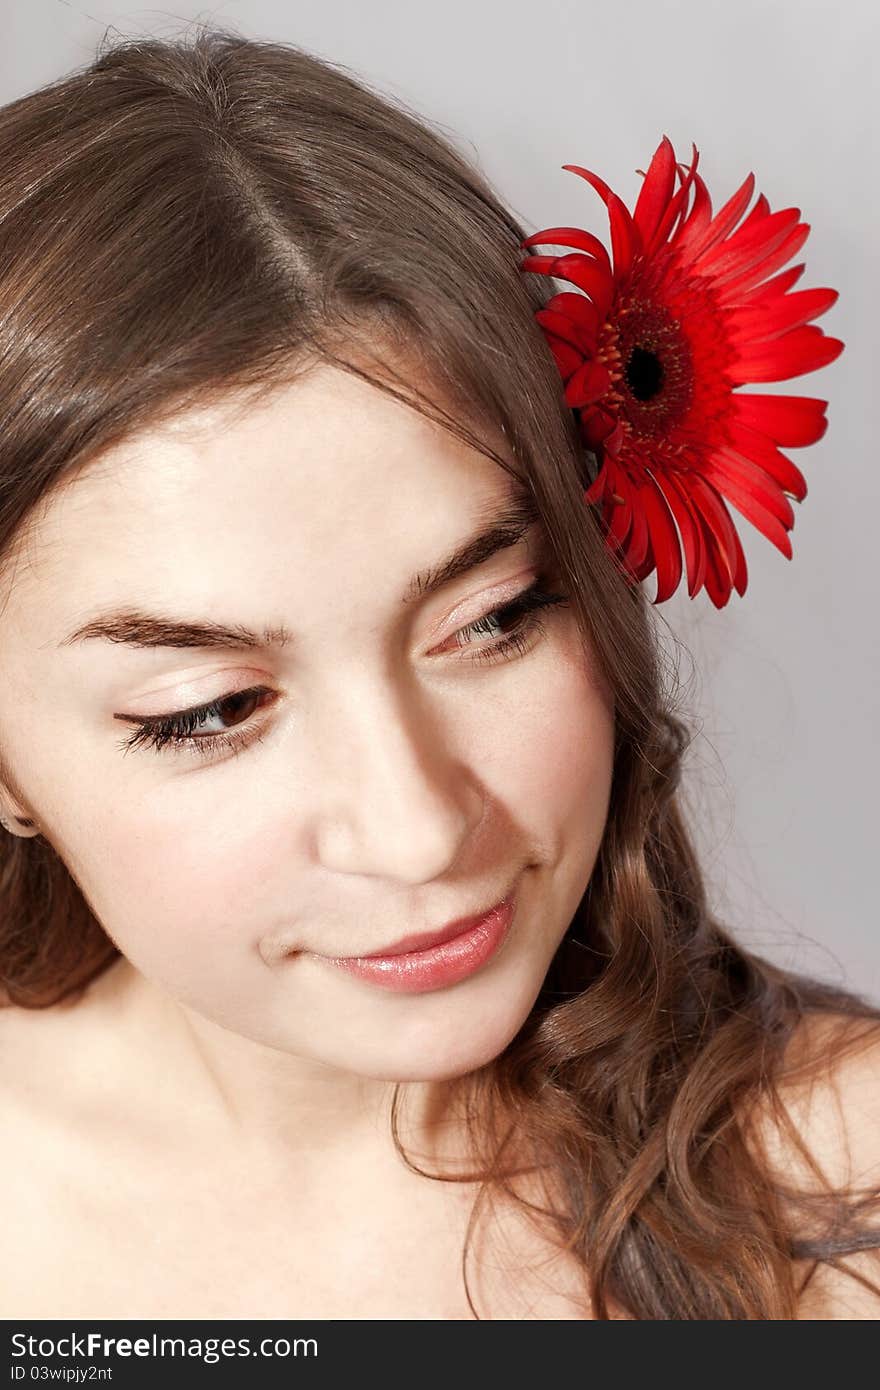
185 219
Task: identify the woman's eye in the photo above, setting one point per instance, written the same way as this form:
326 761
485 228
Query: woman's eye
521 616
184 727
521 619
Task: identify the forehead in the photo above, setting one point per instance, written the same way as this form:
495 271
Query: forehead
328 482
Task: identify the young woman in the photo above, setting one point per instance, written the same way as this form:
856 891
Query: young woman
356 959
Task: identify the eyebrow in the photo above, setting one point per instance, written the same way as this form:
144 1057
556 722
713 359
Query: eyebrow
135 628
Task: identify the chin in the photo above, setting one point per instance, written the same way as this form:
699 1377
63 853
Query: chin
437 1054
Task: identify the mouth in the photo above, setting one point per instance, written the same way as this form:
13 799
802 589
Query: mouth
460 950
426 941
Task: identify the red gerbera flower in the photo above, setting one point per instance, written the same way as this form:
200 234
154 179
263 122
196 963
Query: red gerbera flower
651 354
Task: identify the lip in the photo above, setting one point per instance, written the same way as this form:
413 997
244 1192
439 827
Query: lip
426 941
456 952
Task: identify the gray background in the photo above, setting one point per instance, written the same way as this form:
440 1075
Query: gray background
783 682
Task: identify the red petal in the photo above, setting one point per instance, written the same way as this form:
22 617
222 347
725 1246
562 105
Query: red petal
696 243
767 321
600 185
747 246
718 585
599 486
589 276
717 578
734 287
568 359
741 574
541 265
588 384
761 209
570 236
778 285
691 532
597 426
618 520
656 190
639 540
616 438
757 448
790 420
747 476
708 501
802 350
678 207
665 545
718 562
695 221
581 310
625 239
723 571
568 329
581 270
752 510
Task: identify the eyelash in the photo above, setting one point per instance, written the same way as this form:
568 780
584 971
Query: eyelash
178 729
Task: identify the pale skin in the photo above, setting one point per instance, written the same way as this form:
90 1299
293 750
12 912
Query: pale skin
212 1120
206 1133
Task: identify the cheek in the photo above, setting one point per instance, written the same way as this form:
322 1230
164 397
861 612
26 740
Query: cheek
546 754
170 874
166 899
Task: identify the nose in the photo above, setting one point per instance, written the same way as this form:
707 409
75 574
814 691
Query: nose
393 799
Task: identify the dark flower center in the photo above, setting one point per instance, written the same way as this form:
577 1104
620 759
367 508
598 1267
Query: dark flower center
644 373
650 357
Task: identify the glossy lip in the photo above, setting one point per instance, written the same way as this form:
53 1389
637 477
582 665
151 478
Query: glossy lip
425 941
443 963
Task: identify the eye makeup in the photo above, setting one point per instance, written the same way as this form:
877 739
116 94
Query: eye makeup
180 730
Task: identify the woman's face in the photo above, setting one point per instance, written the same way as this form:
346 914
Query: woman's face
394 773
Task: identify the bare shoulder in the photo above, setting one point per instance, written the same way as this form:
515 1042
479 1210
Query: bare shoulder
825 1130
831 1092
